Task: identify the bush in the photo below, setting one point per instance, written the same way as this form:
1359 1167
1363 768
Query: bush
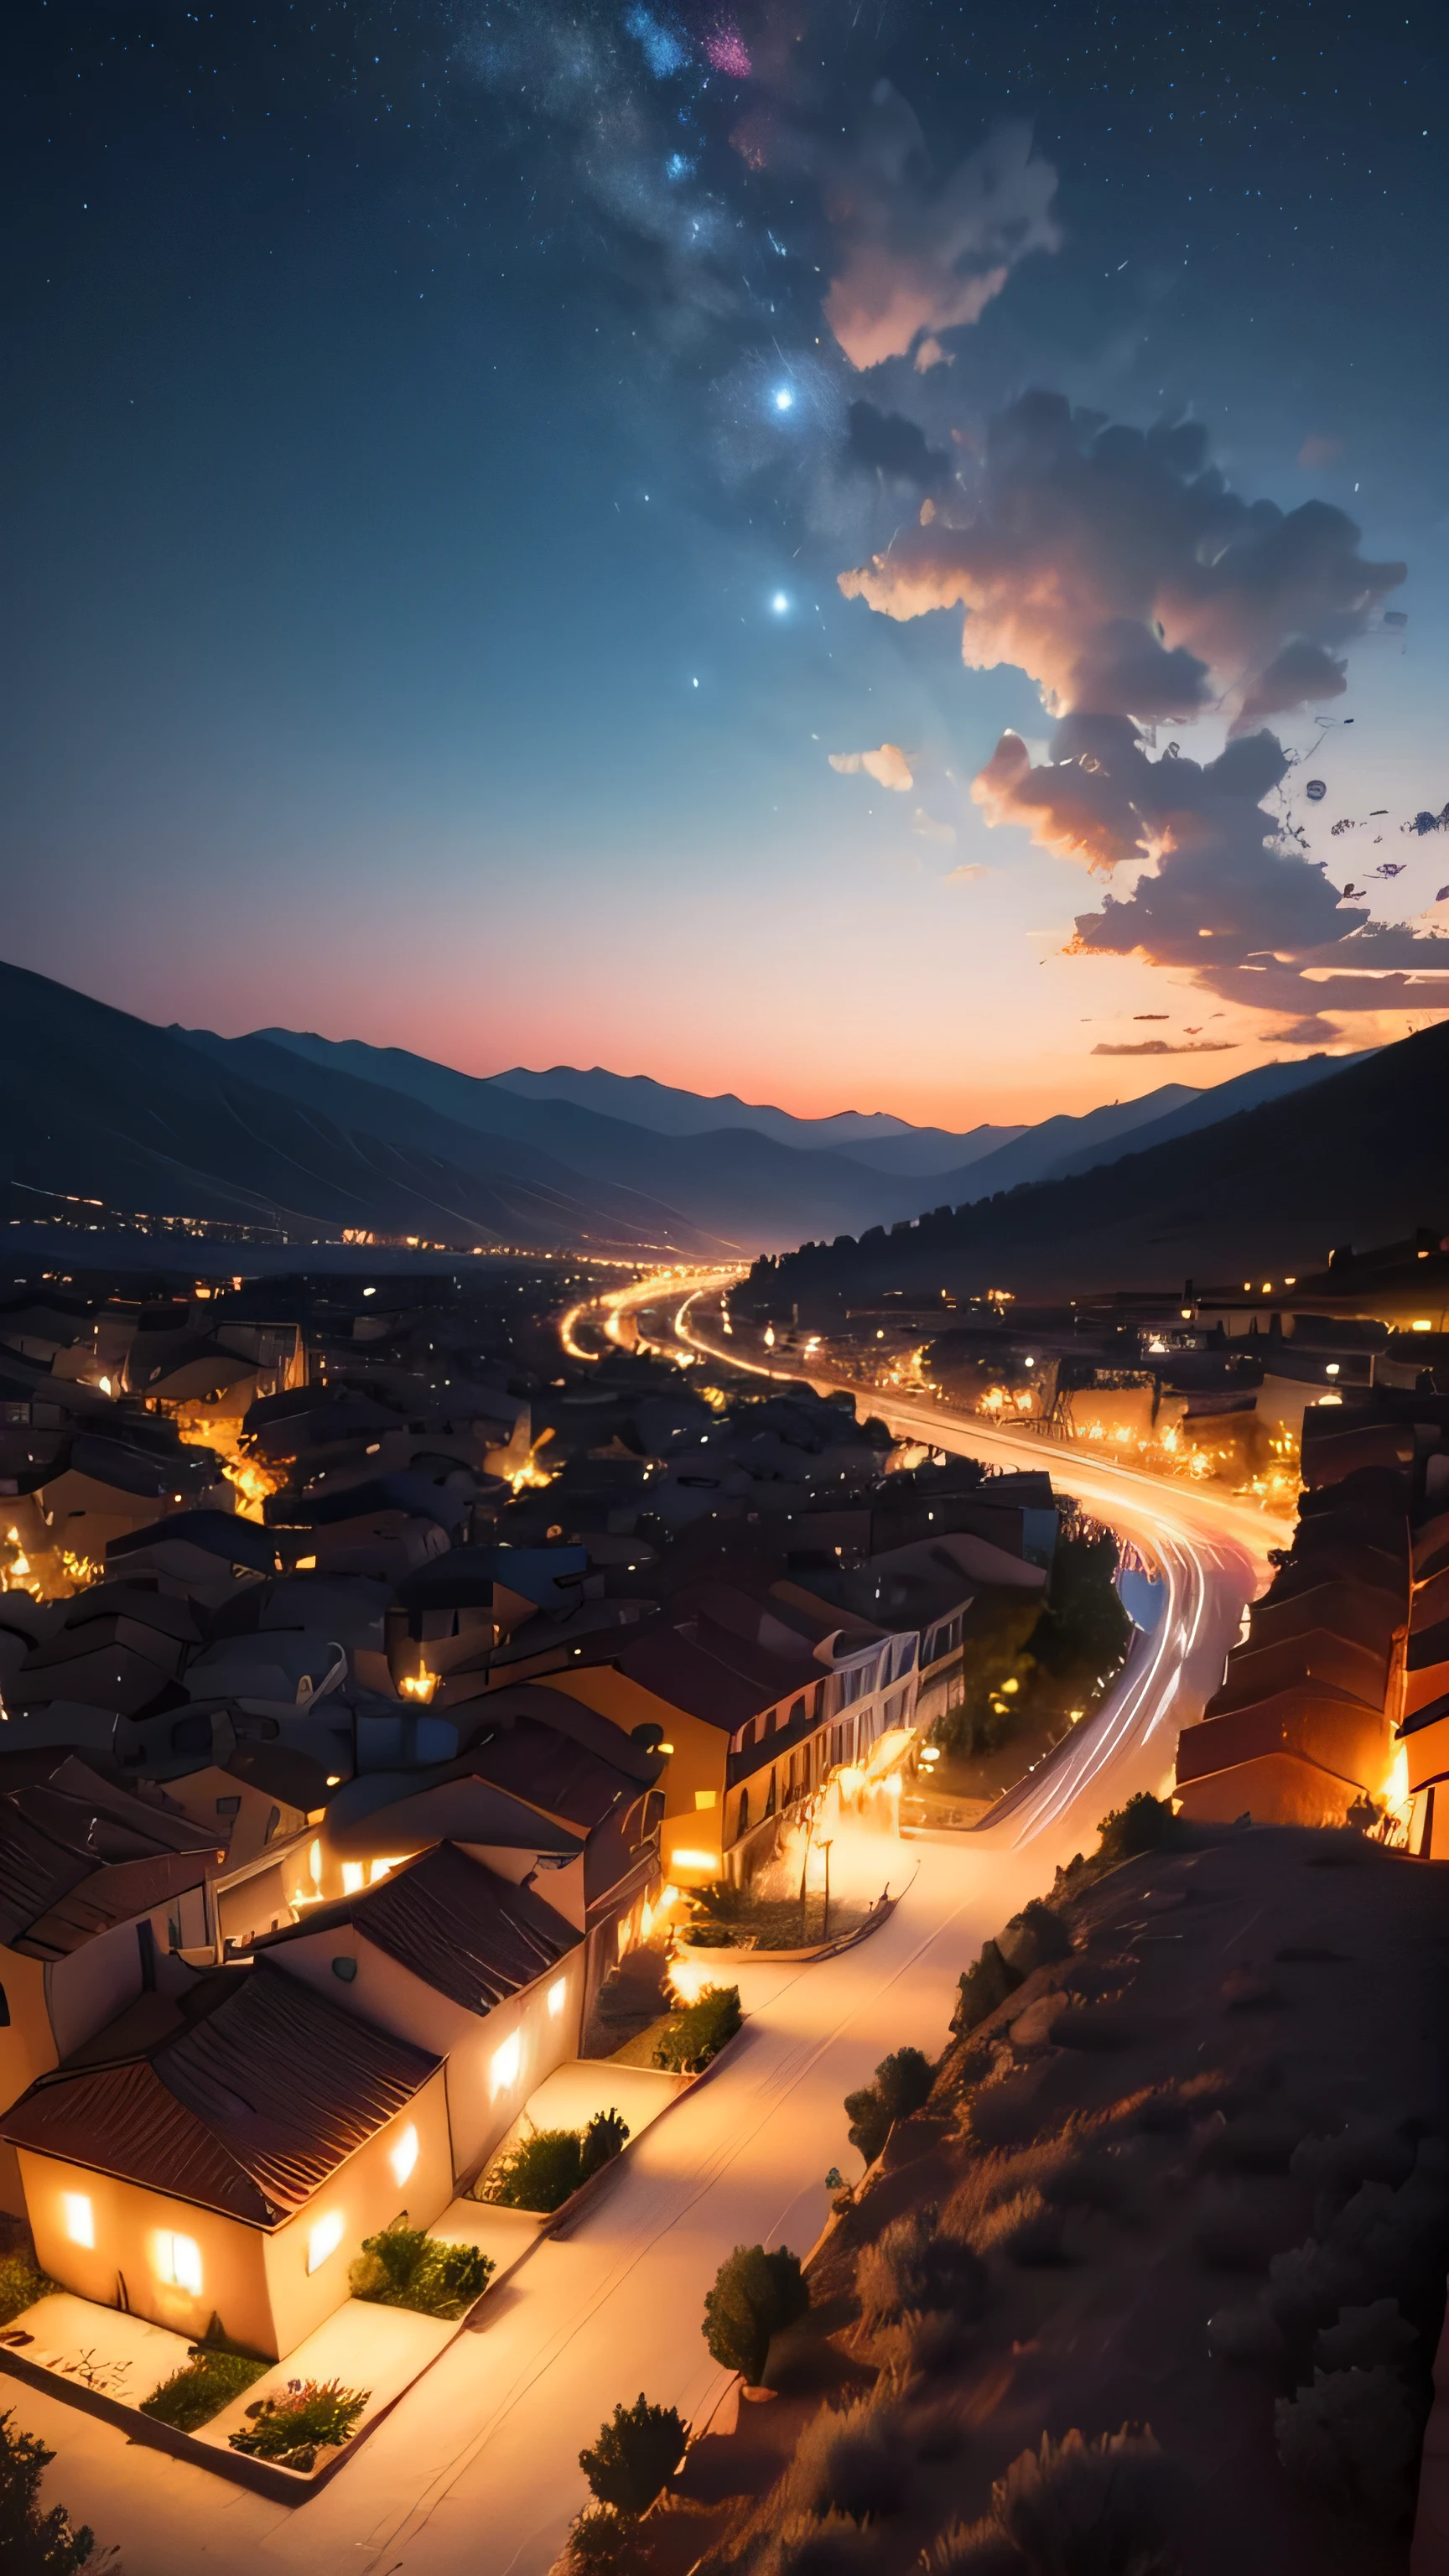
1145 1824
33 2543
1077 2508
21 2284
634 2455
1354 2438
1035 1938
699 2031
973 2549
311 2415
601 2542
981 1989
831 2545
850 2460
913 2266
406 2268
902 2085
210 2380
545 2170
755 2296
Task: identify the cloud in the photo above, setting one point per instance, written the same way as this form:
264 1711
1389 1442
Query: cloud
889 766
965 875
1115 567
1165 1046
1317 450
913 255
926 828
881 441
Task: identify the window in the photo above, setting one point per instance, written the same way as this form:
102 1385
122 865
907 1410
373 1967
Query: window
404 2155
345 1969
228 1806
506 2062
704 1798
4 2010
352 1876
324 2238
78 2217
743 1826
558 1995
177 2261
314 1863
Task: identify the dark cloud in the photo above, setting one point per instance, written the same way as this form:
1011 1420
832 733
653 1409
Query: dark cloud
882 441
1301 674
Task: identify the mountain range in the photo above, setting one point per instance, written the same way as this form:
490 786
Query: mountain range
1361 1158
313 1136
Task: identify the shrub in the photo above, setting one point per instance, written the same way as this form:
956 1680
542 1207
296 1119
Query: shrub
1077 2508
546 2169
1353 2436
981 1989
914 2266
850 2460
755 2296
309 2416
210 2380
973 2549
606 2136
902 2085
634 2455
1145 1824
601 2542
832 2545
1084 1627
404 2267
699 2030
33 2543
1035 1938
21 2283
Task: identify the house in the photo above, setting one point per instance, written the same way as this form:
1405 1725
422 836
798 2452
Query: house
99 1889
448 1955
224 2155
755 1699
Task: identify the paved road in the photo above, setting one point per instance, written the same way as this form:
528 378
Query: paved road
475 2473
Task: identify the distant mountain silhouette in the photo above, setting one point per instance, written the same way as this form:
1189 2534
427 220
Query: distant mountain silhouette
1361 1156
104 1107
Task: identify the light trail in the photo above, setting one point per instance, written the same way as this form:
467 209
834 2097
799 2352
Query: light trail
1210 1551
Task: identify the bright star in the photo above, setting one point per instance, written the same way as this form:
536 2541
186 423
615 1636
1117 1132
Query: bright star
779 603
784 399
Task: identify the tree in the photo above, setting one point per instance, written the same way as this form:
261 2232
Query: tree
755 2296
635 2453
902 2084
33 2543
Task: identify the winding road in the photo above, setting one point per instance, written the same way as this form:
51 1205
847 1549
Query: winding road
475 2472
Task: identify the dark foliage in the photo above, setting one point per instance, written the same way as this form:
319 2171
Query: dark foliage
755 2297
634 2455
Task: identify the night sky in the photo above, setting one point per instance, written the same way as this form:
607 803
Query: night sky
436 437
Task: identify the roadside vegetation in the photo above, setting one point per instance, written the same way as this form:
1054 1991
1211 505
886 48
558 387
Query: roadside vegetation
545 2169
1033 1669
404 2267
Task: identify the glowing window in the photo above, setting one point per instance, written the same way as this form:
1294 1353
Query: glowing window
379 1869
404 2155
351 1877
79 2217
324 2239
704 1798
557 1997
506 2062
314 1863
178 2262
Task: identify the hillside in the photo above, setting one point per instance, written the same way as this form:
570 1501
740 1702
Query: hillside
105 1107
1361 1156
